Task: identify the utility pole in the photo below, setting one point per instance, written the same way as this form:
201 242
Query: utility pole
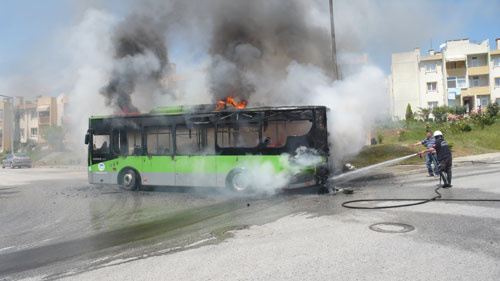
13 123
334 47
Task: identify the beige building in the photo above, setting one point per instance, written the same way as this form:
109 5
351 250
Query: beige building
6 125
34 117
462 73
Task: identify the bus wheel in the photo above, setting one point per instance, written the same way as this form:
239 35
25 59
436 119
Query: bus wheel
129 179
239 181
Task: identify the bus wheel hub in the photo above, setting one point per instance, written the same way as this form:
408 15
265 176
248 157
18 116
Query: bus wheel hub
127 179
240 182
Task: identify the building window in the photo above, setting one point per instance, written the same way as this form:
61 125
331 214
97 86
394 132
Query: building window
474 62
484 100
431 86
33 132
475 81
498 101
453 65
433 104
496 62
430 67
497 82
22 133
1 115
33 114
457 82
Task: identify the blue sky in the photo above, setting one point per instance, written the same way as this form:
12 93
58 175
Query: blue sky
29 29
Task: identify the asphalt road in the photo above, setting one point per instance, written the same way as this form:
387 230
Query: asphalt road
54 224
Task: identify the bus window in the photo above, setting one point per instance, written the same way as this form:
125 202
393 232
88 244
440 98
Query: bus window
236 135
159 140
197 140
134 142
119 143
100 144
276 132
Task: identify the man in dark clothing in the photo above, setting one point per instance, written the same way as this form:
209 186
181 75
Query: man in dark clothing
443 156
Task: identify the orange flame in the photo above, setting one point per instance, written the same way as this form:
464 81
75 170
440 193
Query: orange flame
221 104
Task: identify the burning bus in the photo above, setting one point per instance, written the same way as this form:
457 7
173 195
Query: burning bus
207 145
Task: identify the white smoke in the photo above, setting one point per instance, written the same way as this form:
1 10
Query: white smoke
264 178
91 67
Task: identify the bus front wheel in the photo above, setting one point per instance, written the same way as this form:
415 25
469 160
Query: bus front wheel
129 180
239 181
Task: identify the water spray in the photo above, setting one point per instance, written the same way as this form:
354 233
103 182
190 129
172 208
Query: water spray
360 172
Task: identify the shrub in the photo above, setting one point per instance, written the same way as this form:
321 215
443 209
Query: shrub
424 113
493 109
482 119
402 134
440 113
458 110
380 138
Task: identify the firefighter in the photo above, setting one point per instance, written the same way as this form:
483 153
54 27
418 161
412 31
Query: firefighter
444 158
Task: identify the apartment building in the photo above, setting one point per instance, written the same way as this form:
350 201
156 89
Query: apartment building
34 117
461 73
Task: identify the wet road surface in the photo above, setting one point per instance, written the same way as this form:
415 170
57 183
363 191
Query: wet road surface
54 224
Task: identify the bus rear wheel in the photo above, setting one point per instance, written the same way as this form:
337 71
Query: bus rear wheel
238 180
129 180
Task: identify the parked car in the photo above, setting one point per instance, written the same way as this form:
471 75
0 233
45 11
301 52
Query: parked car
16 160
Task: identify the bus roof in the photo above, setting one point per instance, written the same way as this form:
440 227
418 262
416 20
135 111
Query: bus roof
205 108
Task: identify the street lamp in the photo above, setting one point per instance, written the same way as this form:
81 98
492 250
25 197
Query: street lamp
13 125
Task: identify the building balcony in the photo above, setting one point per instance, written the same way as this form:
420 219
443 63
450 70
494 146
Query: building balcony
456 71
479 70
484 90
44 120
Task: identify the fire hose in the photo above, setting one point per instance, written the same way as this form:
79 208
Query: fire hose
420 201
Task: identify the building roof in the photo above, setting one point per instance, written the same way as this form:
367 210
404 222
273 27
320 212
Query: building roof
434 57
495 52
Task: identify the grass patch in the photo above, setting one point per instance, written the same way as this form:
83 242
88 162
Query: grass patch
477 141
379 153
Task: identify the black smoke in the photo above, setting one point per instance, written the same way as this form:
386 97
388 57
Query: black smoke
253 42
140 56
249 44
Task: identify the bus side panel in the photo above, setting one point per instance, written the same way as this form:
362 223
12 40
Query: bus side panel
158 170
226 163
107 172
197 170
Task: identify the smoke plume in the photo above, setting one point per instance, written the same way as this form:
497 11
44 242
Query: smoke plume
255 40
140 57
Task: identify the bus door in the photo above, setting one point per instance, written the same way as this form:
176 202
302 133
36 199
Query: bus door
195 155
158 166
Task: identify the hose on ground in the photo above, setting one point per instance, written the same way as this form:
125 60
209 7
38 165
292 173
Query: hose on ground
438 197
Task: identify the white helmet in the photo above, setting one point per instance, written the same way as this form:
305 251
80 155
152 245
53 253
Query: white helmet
438 133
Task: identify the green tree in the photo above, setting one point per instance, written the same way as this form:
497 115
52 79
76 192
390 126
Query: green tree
440 113
424 113
54 135
409 113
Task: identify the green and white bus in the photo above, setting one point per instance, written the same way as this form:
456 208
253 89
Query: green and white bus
201 146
